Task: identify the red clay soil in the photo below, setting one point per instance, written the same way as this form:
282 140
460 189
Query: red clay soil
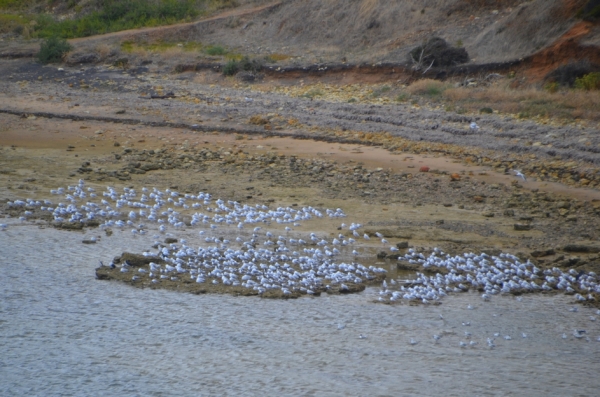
564 50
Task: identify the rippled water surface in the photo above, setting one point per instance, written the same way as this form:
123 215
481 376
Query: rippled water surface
62 332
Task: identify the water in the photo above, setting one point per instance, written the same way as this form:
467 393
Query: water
64 333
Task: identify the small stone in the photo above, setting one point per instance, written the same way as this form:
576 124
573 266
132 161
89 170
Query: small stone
424 169
488 214
509 212
116 144
541 253
522 227
402 245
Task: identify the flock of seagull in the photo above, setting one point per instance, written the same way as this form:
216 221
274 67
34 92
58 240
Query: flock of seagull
286 260
283 258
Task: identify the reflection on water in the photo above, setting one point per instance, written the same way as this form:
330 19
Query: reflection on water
63 332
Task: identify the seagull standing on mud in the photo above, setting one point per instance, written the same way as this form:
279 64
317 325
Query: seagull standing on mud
520 175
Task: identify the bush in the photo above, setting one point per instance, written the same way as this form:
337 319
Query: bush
590 81
231 68
438 53
426 87
215 50
591 11
115 15
566 75
53 49
551 87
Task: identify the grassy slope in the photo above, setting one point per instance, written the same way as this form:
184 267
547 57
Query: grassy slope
99 16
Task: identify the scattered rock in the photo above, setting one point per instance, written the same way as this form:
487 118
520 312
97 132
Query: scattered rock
542 253
522 227
581 248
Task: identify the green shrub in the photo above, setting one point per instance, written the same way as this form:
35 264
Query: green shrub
552 87
215 50
403 97
486 110
588 82
115 15
53 49
250 65
231 68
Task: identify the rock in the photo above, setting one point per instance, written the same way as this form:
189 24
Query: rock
509 212
424 169
542 253
89 241
488 214
447 204
522 227
246 77
402 245
381 254
580 248
136 260
120 111
77 59
170 240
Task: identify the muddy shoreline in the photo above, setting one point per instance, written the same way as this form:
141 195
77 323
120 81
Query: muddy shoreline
416 175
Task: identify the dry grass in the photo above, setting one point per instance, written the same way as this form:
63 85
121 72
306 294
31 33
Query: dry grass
103 51
427 87
526 103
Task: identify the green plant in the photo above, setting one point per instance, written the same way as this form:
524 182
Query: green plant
381 90
313 92
53 49
486 110
215 50
552 87
231 68
588 82
115 15
403 97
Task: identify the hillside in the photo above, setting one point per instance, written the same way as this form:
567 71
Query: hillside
547 33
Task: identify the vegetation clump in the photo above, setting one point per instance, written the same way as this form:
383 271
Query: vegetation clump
115 15
245 64
437 52
588 82
53 49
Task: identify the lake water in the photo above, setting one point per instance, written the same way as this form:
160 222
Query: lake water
62 332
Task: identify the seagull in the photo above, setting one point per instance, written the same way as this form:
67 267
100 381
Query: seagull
361 336
462 344
578 333
474 126
413 342
341 326
520 175
436 337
